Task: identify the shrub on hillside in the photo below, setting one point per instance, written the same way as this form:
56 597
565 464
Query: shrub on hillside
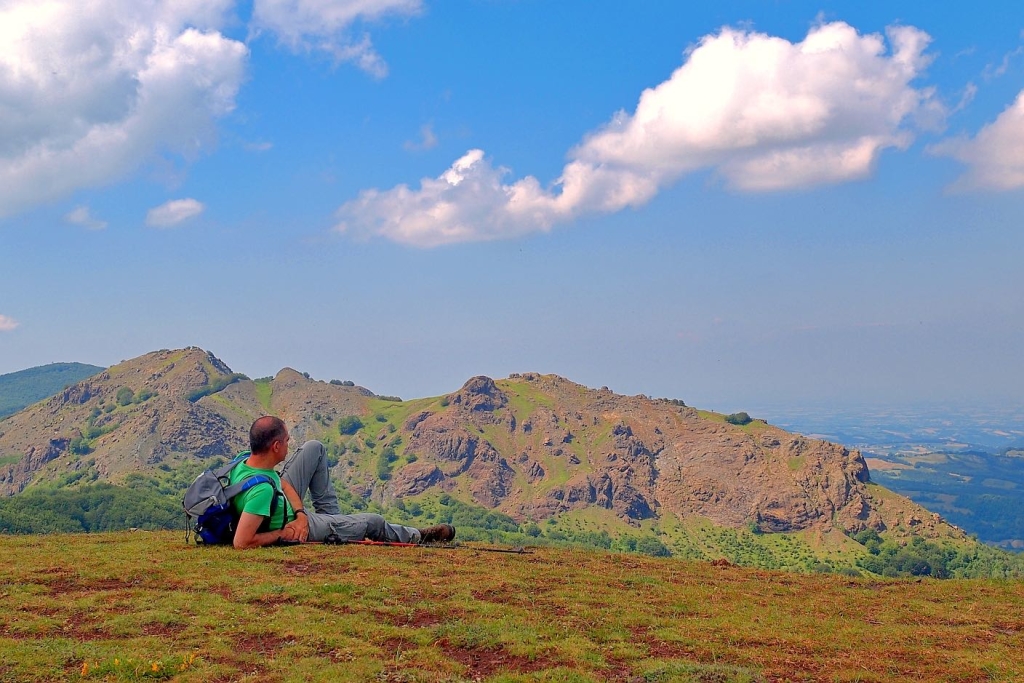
383 467
738 419
648 545
218 384
80 446
350 424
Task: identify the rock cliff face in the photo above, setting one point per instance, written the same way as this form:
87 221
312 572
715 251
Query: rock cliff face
531 446
535 446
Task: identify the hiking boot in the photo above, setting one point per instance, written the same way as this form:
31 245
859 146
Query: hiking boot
439 533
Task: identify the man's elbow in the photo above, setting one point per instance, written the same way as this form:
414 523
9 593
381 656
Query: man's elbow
241 542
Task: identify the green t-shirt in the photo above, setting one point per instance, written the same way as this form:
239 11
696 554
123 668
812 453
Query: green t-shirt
258 499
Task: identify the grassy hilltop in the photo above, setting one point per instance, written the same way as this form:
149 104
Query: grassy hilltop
127 606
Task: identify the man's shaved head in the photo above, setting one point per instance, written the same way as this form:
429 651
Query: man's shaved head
264 432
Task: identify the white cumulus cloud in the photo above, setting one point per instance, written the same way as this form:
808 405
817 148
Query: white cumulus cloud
323 25
7 323
173 212
83 216
468 202
89 91
995 156
764 113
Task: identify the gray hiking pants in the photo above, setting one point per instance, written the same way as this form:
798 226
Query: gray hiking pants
306 470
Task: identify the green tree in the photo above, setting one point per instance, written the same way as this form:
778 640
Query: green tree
125 396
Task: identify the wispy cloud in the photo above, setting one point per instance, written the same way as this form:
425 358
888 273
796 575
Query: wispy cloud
994 157
428 140
83 217
995 71
324 25
91 91
970 92
258 146
763 113
173 212
7 323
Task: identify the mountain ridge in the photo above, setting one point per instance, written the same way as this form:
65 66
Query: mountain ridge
530 446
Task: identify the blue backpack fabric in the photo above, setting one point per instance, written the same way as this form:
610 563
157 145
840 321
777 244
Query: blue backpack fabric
207 503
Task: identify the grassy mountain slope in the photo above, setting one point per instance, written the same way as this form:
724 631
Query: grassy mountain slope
130 606
25 387
530 457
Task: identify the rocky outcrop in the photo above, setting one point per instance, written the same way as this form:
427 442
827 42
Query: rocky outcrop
530 446
479 394
415 478
609 490
492 482
636 457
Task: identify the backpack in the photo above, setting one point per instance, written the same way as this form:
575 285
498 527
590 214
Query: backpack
208 502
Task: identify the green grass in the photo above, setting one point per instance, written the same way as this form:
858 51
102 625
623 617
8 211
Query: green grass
524 397
712 416
229 405
264 393
10 459
129 606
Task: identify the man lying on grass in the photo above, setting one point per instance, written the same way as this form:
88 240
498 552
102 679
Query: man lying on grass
264 520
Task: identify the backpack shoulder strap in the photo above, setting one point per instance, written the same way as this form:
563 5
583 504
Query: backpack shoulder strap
223 470
246 484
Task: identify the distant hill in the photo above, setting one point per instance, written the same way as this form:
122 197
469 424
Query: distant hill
21 389
532 455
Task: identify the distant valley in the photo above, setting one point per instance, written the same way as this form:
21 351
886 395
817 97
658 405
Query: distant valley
964 463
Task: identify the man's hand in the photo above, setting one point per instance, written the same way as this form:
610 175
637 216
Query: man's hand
300 525
298 528
246 535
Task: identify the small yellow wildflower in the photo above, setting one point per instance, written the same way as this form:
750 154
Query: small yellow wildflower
85 668
156 666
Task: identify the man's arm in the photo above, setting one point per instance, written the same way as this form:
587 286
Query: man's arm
300 525
246 535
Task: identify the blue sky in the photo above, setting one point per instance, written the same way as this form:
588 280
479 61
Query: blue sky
745 204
